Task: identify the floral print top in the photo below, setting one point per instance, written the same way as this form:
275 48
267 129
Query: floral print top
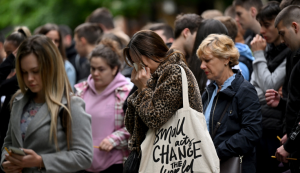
29 113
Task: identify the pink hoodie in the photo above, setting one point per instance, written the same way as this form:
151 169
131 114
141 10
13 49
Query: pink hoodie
102 109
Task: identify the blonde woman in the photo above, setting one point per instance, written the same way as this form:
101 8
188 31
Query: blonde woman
234 97
46 121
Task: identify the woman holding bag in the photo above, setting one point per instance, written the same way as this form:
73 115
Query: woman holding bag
159 93
231 101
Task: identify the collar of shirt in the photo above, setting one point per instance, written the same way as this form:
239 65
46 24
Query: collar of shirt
226 84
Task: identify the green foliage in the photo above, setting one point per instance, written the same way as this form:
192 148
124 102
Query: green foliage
34 13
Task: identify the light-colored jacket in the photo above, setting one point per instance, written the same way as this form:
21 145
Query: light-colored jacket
262 79
80 155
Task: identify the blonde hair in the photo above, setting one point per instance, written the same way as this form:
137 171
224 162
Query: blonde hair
220 46
54 80
25 30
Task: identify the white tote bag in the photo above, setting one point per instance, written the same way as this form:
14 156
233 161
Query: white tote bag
182 144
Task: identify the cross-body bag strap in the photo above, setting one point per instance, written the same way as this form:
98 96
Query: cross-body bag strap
220 120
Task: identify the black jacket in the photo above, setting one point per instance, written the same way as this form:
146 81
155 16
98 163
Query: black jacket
241 127
7 88
292 113
289 119
71 53
6 66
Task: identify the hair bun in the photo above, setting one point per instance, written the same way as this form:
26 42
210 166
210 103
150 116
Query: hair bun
20 30
113 45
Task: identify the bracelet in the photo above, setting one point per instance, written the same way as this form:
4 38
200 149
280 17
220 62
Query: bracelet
40 169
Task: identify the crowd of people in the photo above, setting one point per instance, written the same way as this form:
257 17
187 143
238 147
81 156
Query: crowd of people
84 103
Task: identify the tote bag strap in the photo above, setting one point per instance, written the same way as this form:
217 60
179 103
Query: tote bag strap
185 93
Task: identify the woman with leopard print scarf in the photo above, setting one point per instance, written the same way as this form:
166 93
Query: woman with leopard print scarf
158 78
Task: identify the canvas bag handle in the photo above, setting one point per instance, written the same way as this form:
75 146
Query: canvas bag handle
185 93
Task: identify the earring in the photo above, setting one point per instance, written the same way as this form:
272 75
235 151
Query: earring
225 64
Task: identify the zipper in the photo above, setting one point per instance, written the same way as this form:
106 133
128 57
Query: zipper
212 118
241 159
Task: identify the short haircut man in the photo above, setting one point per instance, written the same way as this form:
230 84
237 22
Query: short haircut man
185 31
103 17
87 36
246 11
288 22
91 32
288 15
164 30
190 21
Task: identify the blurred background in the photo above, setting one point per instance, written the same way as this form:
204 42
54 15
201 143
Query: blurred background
130 15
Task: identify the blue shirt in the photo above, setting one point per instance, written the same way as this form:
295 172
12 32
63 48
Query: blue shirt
244 70
226 84
71 73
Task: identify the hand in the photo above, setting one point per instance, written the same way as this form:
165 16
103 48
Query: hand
281 154
272 98
30 160
283 139
258 43
140 78
8 167
105 145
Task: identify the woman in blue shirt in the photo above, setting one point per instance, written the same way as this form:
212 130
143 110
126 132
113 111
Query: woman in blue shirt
240 127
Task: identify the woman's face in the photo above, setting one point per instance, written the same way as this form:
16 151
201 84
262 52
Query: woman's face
214 66
54 36
148 62
9 47
31 73
101 72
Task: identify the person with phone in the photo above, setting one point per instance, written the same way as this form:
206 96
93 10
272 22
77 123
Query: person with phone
47 121
158 79
15 150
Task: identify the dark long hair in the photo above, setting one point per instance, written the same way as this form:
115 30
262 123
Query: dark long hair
146 43
53 27
206 28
